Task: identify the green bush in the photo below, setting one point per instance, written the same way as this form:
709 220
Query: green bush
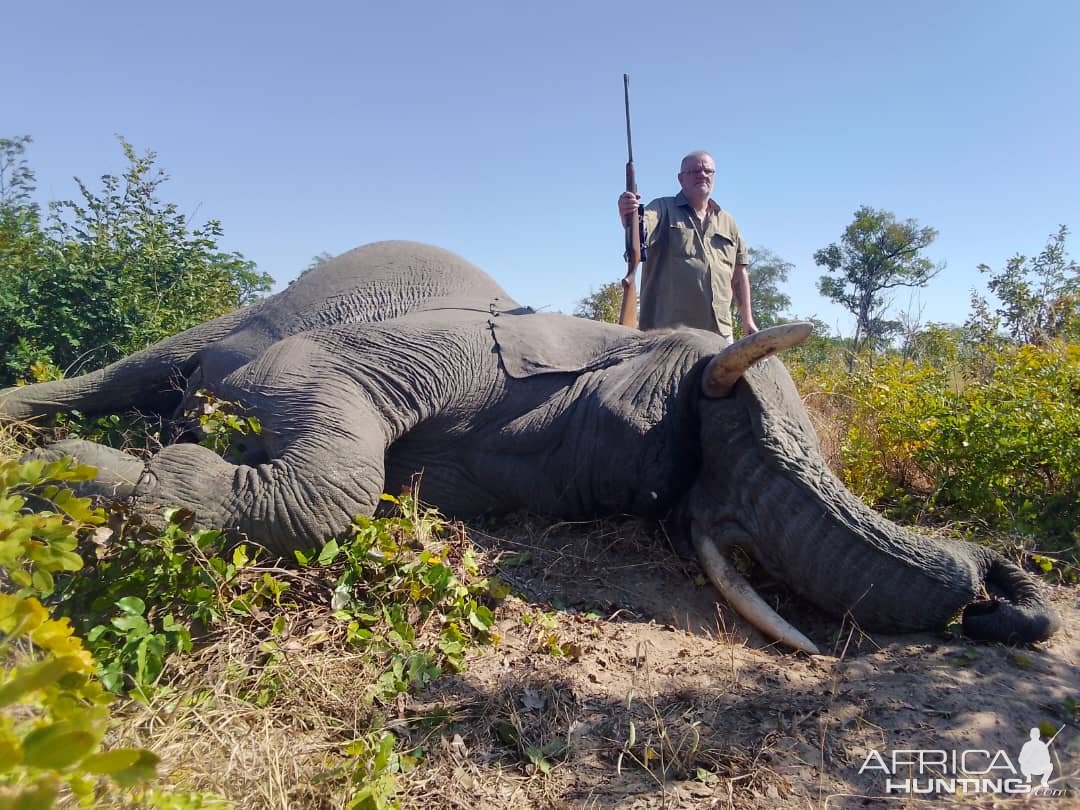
107 274
989 434
411 594
405 589
54 709
151 589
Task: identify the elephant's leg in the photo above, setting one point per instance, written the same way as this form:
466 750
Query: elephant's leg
117 475
310 490
150 380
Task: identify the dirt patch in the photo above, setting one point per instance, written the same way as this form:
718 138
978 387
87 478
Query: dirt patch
619 682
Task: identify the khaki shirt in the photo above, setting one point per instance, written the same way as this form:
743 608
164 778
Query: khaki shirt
686 278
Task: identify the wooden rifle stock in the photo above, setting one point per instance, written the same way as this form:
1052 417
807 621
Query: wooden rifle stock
628 311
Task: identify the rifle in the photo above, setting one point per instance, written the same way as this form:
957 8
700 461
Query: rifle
628 312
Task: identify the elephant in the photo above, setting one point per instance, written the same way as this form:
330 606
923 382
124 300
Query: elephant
399 358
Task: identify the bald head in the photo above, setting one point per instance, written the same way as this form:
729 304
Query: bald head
696 157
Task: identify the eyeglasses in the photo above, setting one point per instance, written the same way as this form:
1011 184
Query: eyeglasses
699 170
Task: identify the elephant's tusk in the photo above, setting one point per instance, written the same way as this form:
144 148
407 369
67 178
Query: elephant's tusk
728 366
744 599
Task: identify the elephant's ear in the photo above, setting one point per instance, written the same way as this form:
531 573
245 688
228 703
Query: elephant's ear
528 345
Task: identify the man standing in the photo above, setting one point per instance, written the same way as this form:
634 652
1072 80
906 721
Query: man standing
696 259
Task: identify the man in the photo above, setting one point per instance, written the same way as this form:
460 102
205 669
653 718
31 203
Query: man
696 258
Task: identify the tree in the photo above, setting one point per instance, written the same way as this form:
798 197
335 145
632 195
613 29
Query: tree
111 272
1040 297
21 250
604 304
16 177
819 348
767 271
876 253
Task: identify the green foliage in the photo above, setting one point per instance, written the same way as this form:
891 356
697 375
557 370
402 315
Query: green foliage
819 349
21 242
604 304
151 591
55 711
374 763
937 343
107 274
16 177
547 626
408 589
224 426
875 254
1039 297
1005 445
992 435
36 545
54 739
405 589
767 272
397 581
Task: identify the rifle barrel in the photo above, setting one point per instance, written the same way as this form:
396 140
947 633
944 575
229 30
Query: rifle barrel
628 311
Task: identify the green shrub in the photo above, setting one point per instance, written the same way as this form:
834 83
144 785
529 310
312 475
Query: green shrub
151 588
1005 446
989 434
411 594
108 273
54 709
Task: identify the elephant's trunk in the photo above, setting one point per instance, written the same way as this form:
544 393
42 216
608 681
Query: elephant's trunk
848 559
1016 611
787 509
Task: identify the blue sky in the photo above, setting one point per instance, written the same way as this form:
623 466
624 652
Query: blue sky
496 129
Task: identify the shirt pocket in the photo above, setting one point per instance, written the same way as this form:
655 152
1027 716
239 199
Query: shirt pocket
683 239
723 247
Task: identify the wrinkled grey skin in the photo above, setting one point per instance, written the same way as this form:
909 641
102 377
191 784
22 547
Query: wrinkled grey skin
398 358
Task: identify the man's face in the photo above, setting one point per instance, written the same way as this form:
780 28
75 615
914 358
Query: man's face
696 178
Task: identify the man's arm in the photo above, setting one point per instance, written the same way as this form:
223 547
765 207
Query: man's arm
740 294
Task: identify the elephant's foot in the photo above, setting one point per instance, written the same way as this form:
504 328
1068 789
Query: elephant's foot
117 472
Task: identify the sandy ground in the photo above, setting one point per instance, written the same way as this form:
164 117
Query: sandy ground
618 682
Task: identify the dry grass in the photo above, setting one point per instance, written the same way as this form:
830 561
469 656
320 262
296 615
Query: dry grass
16 437
263 730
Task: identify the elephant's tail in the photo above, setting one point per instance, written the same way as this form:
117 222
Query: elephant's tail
150 380
1017 610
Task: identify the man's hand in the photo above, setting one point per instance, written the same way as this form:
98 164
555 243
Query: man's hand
748 326
628 203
